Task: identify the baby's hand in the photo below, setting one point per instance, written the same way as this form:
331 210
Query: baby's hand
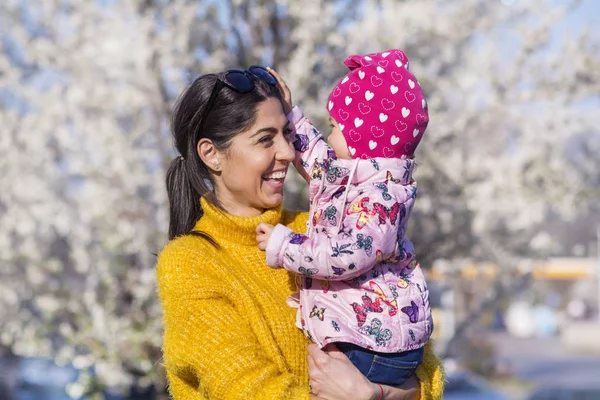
285 92
263 233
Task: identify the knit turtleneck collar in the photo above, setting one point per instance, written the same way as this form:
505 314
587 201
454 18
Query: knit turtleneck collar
230 228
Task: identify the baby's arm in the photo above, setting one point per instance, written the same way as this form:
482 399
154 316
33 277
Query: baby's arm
343 256
308 144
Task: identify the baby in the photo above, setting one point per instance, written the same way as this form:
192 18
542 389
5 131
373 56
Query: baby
360 286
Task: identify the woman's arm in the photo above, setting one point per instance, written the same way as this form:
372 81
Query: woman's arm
333 377
408 391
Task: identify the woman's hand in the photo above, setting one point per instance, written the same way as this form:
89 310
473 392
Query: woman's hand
334 377
285 92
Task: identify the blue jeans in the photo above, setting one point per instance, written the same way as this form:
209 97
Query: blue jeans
385 368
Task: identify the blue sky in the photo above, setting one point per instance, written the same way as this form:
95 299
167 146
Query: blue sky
588 12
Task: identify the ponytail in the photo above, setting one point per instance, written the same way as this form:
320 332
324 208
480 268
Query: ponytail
184 200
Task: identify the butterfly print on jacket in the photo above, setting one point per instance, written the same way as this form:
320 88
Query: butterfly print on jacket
384 190
317 169
412 311
389 301
336 172
364 210
390 178
317 312
330 214
331 154
307 274
407 171
384 213
338 250
374 163
301 143
367 306
383 186
381 259
338 271
335 326
364 242
339 192
298 238
381 335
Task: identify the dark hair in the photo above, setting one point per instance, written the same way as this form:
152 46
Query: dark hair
188 178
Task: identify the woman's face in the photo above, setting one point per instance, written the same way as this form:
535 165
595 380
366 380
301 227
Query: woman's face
254 166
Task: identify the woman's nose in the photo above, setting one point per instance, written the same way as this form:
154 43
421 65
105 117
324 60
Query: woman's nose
285 152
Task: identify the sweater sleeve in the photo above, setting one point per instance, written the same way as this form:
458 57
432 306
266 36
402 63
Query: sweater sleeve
211 345
431 375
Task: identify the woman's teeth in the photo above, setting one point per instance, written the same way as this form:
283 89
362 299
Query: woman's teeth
275 175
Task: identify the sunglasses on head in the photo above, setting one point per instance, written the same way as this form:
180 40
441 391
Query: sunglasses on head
239 81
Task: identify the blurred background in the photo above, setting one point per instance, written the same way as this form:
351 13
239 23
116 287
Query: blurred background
507 222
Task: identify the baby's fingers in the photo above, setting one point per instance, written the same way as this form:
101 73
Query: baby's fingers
261 244
276 75
262 228
282 85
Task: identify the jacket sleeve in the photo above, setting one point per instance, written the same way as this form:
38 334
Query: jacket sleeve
210 345
309 144
329 257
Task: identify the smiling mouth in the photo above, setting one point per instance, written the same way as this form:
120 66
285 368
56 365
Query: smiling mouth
278 176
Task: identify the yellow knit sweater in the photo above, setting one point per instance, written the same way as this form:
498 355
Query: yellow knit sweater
228 332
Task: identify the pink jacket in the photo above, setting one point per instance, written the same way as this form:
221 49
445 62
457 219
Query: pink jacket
358 279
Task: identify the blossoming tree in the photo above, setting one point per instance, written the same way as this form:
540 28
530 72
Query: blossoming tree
86 90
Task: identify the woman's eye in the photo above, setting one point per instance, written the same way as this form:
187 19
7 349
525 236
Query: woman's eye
265 139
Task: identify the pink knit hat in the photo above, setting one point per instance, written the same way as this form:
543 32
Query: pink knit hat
379 106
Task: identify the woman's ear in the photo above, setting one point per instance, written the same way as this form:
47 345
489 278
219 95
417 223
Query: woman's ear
209 154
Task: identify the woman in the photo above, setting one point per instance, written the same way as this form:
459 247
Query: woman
228 333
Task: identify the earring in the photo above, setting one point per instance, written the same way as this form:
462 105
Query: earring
217 167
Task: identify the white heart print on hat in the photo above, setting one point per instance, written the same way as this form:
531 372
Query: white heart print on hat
383 103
